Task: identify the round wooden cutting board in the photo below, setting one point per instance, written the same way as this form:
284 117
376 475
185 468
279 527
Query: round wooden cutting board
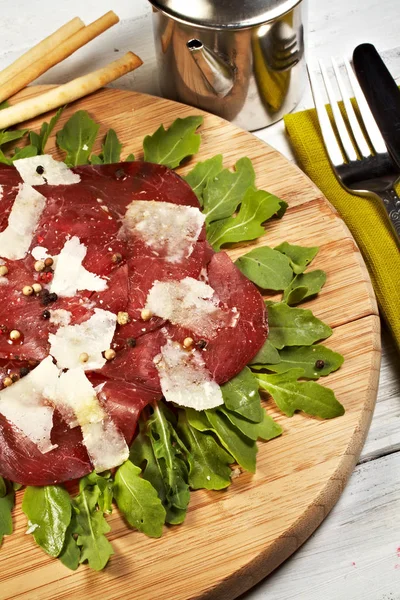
232 539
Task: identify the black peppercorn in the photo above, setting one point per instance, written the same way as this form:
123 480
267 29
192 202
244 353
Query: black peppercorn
120 174
319 364
46 314
131 342
39 170
23 371
201 344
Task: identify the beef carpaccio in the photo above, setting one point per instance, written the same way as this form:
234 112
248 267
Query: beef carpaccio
110 298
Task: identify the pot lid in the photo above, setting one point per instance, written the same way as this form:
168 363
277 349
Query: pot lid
224 14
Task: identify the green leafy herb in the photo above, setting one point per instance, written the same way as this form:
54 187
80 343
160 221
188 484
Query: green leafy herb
7 498
91 527
265 430
303 286
238 445
202 174
169 147
317 361
25 152
130 158
226 190
300 257
267 268
4 104
111 150
70 555
308 396
174 471
48 510
267 355
77 137
241 395
105 484
138 500
11 136
39 140
294 326
208 462
257 206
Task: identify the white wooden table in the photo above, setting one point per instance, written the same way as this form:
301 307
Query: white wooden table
355 553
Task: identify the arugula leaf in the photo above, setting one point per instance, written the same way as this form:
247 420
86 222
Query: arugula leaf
48 510
11 136
303 286
4 104
7 498
202 174
171 464
111 150
71 553
267 355
39 140
138 500
306 357
300 256
77 137
208 462
241 395
238 445
130 158
267 268
3 158
257 206
105 484
169 147
294 326
91 527
225 192
25 152
265 430
308 396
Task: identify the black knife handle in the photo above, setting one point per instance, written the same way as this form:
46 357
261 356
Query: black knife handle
382 94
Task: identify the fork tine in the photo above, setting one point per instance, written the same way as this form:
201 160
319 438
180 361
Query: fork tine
366 114
337 115
328 135
354 124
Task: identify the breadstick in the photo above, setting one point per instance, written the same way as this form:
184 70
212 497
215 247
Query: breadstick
64 94
42 49
68 47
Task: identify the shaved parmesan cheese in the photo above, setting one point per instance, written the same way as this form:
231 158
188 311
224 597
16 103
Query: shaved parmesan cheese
191 304
105 445
69 274
185 379
23 404
55 172
94 336
60 316
167 228
40 253
76 398
24 217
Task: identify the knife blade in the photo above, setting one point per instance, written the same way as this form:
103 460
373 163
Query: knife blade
382 94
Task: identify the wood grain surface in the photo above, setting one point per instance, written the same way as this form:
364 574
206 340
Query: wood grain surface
232 539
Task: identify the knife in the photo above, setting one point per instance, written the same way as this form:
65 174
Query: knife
382 94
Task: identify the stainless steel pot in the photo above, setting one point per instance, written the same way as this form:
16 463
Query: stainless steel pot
240 59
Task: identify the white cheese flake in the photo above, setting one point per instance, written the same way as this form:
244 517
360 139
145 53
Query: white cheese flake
185 379
40 253
60 316
69 274
55 172
191 304
23 404
92 337
166 228
31 527
23 220
76 398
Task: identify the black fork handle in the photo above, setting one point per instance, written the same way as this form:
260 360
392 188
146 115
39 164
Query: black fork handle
391 202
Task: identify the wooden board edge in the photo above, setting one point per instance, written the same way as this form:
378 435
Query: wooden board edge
266 562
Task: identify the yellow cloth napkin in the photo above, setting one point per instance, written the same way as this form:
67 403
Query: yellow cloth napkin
366 219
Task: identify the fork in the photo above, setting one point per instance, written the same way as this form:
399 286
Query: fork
363 172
